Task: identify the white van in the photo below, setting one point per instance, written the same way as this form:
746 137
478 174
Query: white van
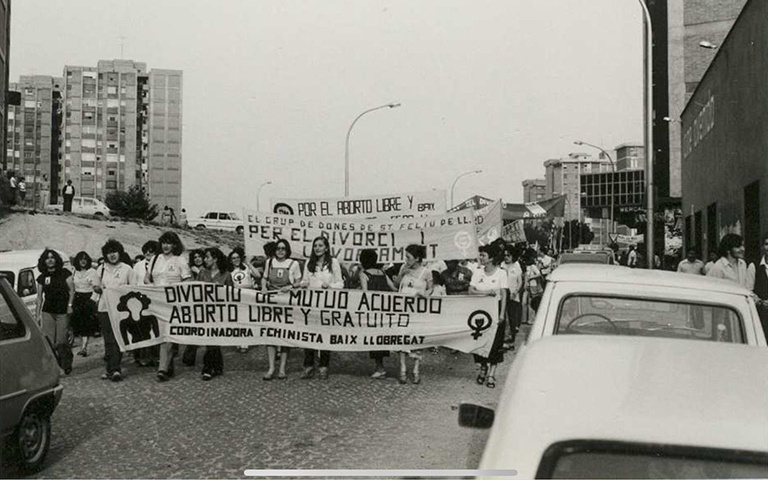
20 269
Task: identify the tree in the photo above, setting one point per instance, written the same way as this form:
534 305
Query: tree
131 204
538 231
581 234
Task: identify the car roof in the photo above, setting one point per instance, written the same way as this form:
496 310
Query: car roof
18 259
615 274
644 390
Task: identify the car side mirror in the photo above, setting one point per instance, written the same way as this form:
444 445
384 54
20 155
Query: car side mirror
475 416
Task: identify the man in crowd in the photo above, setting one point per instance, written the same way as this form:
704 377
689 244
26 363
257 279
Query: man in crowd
758 278
632 257
68 192
691 264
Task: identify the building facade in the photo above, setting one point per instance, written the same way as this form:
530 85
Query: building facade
534 190
5 46
724 141
630 156
563 177
122 128
32 143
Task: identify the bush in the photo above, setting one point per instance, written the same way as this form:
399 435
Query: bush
132 204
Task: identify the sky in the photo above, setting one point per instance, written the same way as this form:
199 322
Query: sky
272 86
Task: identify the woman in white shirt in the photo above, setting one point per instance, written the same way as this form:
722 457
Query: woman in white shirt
323 271
414 279
84 322
281 273
168 267
491 280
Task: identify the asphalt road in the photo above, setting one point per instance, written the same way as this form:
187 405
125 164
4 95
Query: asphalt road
187 428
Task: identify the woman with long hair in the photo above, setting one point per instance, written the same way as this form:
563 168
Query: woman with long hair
55 294
84 321
113 273
216 271
491 280
168 267
414 279
373 278
244 275
281 273
322 271
196 263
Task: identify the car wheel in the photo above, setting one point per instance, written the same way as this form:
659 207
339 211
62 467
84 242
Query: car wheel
239 229
32 439
200 227
98 214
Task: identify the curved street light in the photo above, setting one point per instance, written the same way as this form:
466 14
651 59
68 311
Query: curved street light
648 130
613 178
346 147
457 179
258 193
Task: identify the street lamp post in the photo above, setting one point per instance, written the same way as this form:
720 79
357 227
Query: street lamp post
647 133
457 179
613 177
258 194
346 146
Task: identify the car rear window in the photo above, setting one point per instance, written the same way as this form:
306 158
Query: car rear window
612 315
10 326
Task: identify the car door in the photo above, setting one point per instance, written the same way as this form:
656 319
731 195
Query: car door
225 222
77 205
14 339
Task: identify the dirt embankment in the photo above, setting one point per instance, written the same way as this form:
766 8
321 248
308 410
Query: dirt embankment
73 233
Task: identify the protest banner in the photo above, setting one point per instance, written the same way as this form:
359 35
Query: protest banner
417 204
488 223
514 232
197 313
446 237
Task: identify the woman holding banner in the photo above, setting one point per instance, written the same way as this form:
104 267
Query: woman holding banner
280 273
414 279
491 280
167 268
216 271
373 278
323 271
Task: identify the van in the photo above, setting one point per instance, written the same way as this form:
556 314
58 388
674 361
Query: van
20 270
30 390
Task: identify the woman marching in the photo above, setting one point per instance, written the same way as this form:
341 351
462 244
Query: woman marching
373 278
244 275
491 280
414 279
216 271
323 271
84 321
168 267
115 271
55 293
281 273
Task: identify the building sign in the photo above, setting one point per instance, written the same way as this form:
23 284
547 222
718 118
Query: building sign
702 125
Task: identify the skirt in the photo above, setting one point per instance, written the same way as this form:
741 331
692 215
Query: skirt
496 355
84 321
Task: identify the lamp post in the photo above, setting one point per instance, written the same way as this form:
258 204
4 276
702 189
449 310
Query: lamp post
457 179
258 193
346 146
647 133
613 177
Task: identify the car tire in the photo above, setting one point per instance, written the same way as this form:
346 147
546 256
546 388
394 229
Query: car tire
32 439
200 227
98 215
239 230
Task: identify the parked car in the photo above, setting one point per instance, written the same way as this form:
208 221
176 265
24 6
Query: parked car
615 300
218 221
85 206
30 389
20 269
625 407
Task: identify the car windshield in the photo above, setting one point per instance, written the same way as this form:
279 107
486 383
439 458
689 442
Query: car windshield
634 465
610 315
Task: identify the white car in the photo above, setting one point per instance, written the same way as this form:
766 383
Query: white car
85 206
218 221
621 301
578 406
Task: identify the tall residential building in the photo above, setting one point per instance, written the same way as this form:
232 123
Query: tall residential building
630 156
32 145
122 127
5 44
563 177
534 189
